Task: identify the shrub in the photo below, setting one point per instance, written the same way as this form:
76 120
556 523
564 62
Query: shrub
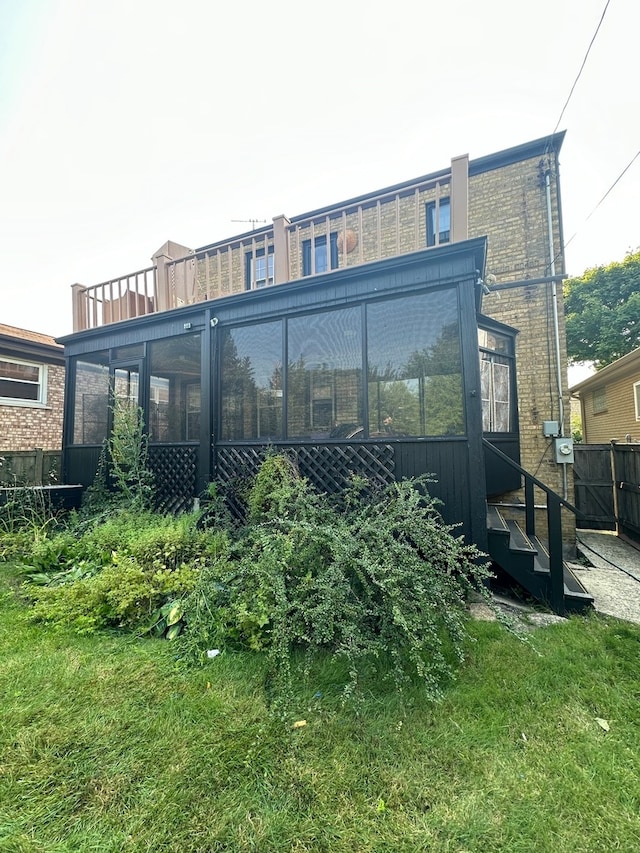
381 577
122 572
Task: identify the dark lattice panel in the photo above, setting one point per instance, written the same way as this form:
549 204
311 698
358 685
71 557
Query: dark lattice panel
174 470
327 466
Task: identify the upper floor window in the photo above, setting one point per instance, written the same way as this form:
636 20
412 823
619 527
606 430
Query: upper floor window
438 222
322 262
258 269
22 383
599 400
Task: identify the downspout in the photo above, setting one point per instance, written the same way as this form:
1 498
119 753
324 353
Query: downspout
556 324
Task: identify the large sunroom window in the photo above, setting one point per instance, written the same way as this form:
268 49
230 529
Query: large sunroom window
91 400
174 389
251 382
414 366
324 375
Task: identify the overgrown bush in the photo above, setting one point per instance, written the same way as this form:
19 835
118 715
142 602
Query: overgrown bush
122 572
382 577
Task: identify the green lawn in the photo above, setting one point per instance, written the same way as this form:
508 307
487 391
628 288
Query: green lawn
109 743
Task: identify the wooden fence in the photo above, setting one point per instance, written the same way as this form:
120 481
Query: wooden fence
30 467
607 487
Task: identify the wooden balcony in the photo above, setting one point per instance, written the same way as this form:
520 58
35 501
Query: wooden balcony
369 228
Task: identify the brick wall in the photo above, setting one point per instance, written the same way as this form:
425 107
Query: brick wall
509 206
28 427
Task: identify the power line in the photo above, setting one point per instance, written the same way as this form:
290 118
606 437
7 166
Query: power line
617 180
584 61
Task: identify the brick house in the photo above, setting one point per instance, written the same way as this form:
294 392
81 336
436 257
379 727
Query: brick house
31 390
417 328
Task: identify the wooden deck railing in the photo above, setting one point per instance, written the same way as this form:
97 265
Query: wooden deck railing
367 229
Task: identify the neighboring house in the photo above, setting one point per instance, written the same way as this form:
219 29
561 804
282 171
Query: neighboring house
610 402
31 390
411 330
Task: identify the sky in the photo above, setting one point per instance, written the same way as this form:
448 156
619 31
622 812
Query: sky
129 123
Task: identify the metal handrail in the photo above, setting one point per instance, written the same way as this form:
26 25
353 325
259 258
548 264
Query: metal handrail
554 523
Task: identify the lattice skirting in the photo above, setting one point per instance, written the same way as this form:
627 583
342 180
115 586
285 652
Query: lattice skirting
174 469
327 466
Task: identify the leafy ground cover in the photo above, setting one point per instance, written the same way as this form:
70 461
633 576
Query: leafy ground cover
108 742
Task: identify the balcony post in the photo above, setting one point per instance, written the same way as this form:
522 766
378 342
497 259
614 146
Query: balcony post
280 249
79 310
460 198
170 251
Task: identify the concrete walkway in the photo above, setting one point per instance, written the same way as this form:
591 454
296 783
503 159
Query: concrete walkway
613 578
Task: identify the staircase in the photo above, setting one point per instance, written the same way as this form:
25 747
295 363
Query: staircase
527 560
537 565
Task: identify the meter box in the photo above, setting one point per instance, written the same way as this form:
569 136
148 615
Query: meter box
564 450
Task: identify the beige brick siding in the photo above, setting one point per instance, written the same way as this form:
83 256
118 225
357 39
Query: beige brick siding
30 427
509 206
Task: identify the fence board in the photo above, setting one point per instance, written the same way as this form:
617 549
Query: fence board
30 467
593 486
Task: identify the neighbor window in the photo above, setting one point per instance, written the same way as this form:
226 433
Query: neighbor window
319 261
438 222
258 269
599 400
636 397
22 383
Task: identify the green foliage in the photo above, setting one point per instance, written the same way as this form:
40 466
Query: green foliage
380 579
123 478
122 572
603 312
26 518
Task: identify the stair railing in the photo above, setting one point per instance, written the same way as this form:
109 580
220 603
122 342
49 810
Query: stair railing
554 523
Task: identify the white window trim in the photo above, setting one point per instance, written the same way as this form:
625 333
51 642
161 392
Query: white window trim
636 398
41 402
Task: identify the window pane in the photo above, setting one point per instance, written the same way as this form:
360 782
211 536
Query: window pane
321 256
19 390
19 381
414 371
20 372
174 389
324 375
251 382
91 400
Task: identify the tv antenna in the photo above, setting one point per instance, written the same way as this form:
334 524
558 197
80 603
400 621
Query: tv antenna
253 222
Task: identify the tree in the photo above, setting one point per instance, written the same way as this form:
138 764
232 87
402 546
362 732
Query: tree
603 312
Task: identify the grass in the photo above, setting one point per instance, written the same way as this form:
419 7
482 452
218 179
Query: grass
109 743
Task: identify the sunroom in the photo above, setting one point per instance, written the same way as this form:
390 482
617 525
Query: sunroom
374 369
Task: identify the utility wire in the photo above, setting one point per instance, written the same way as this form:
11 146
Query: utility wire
584 62
617 180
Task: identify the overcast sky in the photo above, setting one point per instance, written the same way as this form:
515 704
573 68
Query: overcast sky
127 123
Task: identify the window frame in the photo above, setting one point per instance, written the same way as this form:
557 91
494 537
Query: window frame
636 398
319 242
251 281
41 384
433 210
